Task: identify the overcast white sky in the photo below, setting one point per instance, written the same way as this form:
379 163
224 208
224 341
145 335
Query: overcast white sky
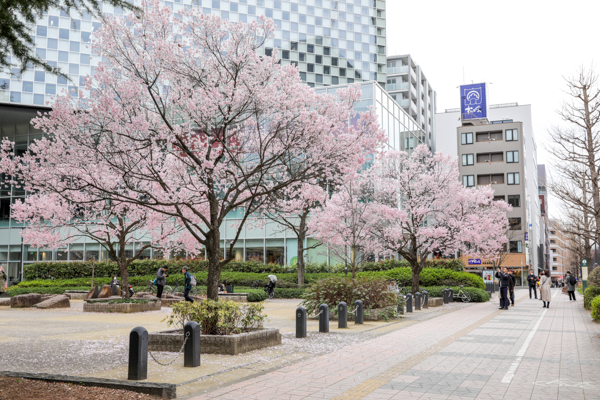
522 47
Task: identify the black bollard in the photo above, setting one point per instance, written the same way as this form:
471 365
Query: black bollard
138 354
445 296
191 352
359 315
300 322
417 301
425 299
324 318
409 303
342 315
451 295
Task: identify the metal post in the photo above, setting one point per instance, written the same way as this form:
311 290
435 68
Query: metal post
359 316
300 322
324 318
417 301
191 352
451 295
409 303
342 315
425 299
445 296
138 354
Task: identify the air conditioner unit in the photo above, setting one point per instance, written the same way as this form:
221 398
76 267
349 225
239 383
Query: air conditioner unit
487 160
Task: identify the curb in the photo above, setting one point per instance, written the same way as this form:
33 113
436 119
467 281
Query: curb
163 390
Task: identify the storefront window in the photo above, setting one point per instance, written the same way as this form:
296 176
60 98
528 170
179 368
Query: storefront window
92 251
76 252
46 255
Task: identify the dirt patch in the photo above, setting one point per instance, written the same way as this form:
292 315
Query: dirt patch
16 388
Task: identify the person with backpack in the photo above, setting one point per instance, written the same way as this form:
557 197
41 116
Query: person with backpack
161 280
190 280
571 282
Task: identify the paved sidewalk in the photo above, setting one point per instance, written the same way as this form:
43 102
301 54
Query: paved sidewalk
478 352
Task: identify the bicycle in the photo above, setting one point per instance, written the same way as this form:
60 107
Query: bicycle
270 291
152 288
179 288
464 296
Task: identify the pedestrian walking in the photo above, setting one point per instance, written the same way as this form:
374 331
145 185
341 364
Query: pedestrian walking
161 280
3 279
511 287
571 282
532 280
187 285
545 292
504 283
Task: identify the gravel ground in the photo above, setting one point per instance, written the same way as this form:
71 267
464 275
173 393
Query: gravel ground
15 388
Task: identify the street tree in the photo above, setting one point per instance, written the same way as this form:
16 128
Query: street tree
441 214
185 118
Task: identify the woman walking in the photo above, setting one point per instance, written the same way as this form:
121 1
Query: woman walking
545 282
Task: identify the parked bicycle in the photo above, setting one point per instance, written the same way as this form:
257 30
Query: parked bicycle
152 288
464 296
179 288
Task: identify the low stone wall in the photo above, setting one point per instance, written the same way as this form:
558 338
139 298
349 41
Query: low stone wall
216 344
377 314
237 297
435 302
76 294
96 306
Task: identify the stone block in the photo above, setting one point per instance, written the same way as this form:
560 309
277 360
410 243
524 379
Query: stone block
105 292
93 294
60 301
25 300
5 302
97 306
436 302
237 297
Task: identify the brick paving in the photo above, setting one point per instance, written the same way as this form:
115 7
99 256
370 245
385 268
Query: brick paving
478 352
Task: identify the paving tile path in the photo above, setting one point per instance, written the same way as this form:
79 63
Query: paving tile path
478 352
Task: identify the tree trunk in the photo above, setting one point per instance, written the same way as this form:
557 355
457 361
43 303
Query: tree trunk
124 277
214 265
416 271
300 264
353 258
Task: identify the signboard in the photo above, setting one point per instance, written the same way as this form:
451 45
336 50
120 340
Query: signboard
488 276
584 273
584 262
526 236
474 261
473 101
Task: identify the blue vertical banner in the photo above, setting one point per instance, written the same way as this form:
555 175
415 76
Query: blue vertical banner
473 101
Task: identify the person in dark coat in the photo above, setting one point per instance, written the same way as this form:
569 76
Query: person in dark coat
571 282
187 285
161 280
532 280
504 284
511 287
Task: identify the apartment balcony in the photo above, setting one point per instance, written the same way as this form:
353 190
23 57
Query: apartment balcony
402 69
397 86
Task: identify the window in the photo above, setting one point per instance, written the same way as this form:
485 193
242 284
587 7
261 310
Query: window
468 159
512 156
498 198
467 138
553 250
554 259
553 232
490 179
489 136
468 180
515 224
553 242
516 246
512 135
489 157
513 178
514 200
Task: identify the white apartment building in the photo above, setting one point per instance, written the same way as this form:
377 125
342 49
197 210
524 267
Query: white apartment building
559 251
407 84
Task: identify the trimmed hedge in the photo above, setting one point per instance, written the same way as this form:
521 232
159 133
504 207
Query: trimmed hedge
477 295
83 269
430 277
256 295
16 290
589 295
596 308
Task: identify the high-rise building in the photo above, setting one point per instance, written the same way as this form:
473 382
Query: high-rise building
407 84
331 41
560 255
544 217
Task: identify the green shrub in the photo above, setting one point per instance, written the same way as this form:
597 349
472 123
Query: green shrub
332 291
477 295
596 309
256 295
284 293
83 269
430 277
594 277
218 317
16 290
589 295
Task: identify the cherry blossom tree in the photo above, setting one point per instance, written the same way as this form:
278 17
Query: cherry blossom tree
422 208
344 223
184 118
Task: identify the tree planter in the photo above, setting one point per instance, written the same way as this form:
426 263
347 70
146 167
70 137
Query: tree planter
216 344
96 306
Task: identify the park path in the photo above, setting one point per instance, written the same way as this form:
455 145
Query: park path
478 352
